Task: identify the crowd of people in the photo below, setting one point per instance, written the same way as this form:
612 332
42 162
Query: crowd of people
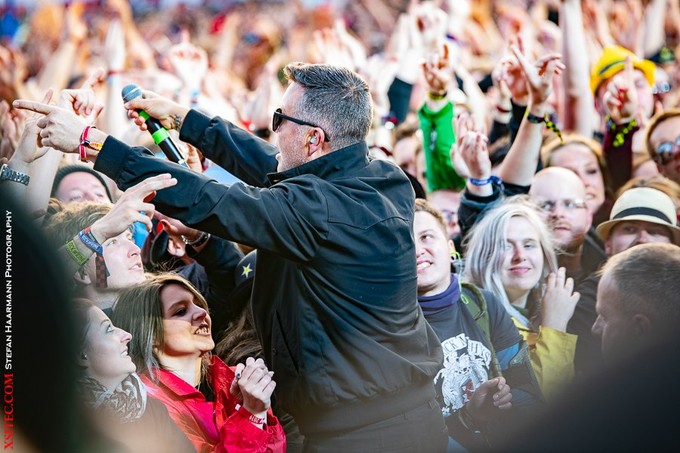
394 225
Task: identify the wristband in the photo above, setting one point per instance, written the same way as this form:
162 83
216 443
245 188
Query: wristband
101 271
503 110
246 413
548 123
75 254
85 142
533 119
483 182
87 238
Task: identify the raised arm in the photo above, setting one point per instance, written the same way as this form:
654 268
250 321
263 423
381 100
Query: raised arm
521 162
133 206
578 114
436 122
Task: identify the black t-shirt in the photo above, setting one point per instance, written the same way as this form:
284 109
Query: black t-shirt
467 357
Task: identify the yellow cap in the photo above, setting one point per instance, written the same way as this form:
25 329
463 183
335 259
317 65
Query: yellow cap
612 61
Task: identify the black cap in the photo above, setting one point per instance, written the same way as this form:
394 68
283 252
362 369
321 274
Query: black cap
75 168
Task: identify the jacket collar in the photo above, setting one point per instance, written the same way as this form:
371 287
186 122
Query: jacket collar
324 167
182 388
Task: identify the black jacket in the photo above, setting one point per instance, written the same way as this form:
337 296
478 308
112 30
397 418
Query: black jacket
334 297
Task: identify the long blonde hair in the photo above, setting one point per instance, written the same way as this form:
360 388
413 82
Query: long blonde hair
486 244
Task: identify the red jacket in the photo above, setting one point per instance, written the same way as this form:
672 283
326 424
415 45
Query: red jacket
214 426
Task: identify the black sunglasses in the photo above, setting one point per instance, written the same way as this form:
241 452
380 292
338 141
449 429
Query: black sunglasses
279 116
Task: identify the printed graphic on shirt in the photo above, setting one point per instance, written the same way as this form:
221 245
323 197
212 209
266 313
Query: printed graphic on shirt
466 367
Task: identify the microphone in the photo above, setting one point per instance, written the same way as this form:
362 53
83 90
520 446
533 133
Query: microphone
160 135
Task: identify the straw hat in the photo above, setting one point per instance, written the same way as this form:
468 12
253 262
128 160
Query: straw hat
645 204
613 61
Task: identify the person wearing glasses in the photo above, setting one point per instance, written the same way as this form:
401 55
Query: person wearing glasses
561 195
662 139
511 254
336 311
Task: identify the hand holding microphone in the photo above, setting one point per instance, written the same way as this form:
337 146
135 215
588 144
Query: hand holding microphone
156 115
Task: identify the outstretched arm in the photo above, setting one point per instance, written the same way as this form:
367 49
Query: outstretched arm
520 164
578 113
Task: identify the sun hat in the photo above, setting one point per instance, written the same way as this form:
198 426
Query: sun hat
612 61
644 204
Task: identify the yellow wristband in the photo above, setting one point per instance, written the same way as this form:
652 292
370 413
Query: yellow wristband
74 253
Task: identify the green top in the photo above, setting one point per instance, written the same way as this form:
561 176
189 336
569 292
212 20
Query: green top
438 137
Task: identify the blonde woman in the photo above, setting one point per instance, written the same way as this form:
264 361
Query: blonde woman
510 253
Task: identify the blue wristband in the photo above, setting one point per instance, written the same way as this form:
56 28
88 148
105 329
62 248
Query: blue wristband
483 182
87 238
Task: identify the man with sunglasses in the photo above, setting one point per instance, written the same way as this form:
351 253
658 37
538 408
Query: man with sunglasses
334 301
662 140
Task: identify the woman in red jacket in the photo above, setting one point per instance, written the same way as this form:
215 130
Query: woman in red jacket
109 386
220 409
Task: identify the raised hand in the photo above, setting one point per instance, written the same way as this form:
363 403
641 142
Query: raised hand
539 74
254 387
470 154
511 73
115 52
498 76
331 49
354 47
620 98
133 206
60 128
10 129
559 300
29 147
437 71
168 112
189 62
83 100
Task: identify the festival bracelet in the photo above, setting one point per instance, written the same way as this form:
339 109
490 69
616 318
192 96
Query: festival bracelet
75 254
247 414
483 182
87 238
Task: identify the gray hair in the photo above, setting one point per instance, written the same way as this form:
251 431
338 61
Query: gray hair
486 244
334 98
646 280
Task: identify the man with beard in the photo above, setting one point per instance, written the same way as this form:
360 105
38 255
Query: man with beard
561 196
